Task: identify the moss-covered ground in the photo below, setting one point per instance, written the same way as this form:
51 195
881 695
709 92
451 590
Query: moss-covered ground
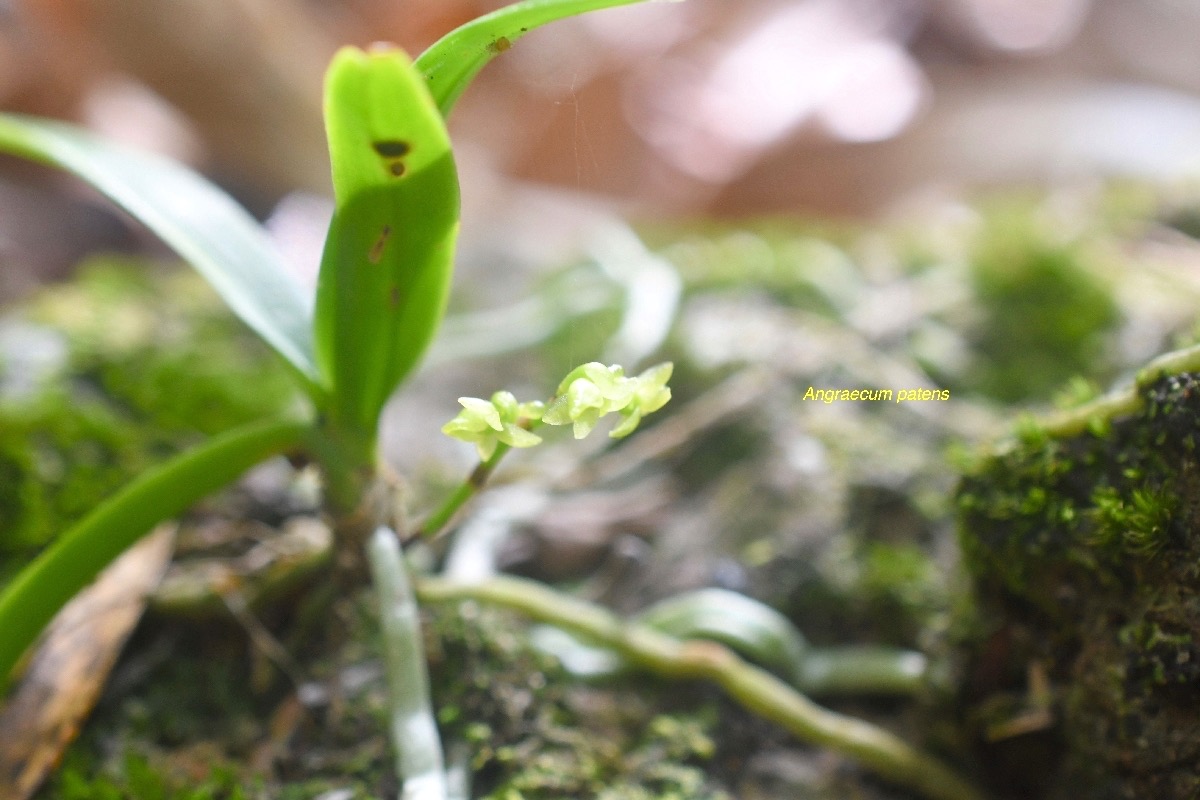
1064 649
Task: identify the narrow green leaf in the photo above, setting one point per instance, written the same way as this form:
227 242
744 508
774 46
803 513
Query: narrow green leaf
200 222
389 255
452 62
29 602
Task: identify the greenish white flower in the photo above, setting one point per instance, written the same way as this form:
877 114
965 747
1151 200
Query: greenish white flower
489 423
593 390
650 393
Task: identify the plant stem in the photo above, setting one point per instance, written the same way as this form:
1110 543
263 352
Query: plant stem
348 462
462 494
754 688
361 494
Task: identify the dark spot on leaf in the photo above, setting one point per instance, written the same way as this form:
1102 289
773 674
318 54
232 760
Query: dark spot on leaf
394 296
500 45
377 249
396 168
391 148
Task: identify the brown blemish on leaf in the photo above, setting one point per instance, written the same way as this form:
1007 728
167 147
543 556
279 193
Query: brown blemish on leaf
391 148
394 296
376 252
501 44
392 151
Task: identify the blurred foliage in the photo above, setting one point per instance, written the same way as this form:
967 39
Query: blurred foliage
138 779
150 364
1044 311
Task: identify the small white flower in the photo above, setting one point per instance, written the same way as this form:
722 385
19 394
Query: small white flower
490 423
593 390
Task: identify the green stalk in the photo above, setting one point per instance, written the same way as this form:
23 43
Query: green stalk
349 464
361 494
462 494
29 602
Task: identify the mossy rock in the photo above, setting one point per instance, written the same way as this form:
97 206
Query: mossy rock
1085 552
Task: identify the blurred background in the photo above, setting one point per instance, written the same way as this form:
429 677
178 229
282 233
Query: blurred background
850 108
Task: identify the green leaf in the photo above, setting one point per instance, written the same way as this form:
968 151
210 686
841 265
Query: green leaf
76 557
742 623
200 222
453 61
389 255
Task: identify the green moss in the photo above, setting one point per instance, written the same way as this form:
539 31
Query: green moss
1044 313
163 776
139 779
535 737
59 454
153 364
209 713
1097 504
1086 558
903 583
1160 655
162 745
165 348
1137 525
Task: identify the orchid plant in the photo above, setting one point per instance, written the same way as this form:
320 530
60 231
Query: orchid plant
381 293
380 297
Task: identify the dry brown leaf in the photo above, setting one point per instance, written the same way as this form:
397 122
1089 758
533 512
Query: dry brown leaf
71 663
